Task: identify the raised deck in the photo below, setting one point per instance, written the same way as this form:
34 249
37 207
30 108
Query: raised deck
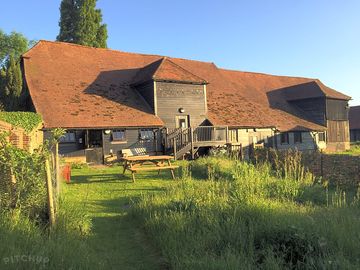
181 141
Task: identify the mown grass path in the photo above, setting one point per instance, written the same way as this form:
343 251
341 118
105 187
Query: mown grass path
106 196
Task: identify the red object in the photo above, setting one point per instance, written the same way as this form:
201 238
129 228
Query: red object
66 173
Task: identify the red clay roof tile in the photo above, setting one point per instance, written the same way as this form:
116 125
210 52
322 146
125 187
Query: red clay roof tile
74 86
166 70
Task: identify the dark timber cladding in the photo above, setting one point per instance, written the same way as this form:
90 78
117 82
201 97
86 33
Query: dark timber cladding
170 97
338 131
315 108
337 109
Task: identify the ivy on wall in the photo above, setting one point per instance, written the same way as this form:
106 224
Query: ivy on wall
26 120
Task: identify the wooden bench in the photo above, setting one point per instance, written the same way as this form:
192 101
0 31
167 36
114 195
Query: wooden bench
153 168
135 164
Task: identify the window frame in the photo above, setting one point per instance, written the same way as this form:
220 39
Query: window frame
114 139
66 139
298 133
323 134
149 131
286 134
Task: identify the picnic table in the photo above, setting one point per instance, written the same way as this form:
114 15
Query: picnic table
135 164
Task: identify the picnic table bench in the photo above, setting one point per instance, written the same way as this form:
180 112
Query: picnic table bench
135 164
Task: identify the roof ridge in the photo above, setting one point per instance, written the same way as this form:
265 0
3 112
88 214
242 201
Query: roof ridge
268 74
93 48
114 50
178 66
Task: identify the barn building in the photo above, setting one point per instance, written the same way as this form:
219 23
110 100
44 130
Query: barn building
111 100
354 120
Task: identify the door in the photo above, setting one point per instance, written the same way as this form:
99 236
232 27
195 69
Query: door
182 121
94 144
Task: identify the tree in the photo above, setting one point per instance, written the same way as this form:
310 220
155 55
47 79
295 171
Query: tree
14 43
12 46
68 21
81 23
13 84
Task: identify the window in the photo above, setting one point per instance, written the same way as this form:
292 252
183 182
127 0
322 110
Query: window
284 138
68 137
182 123
321 136
146 134
298 137
118 135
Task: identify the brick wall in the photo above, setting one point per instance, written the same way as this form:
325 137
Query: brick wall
19 138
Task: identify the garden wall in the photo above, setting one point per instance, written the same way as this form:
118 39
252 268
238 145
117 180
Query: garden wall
342 170
21 139
337 169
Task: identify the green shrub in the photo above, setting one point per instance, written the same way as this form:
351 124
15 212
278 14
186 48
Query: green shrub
29 191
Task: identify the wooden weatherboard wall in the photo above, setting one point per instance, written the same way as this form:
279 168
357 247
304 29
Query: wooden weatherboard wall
132 141
315 108
170 97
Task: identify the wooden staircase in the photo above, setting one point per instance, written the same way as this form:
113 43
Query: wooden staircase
182 141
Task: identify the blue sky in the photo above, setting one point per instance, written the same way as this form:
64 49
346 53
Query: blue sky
317 39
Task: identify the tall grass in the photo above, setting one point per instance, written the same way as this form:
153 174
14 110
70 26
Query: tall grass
27 245
226 214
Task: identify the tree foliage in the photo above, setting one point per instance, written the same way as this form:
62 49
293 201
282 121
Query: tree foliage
81 23
12 46
13 84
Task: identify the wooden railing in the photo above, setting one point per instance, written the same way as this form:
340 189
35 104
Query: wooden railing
210 134
181 140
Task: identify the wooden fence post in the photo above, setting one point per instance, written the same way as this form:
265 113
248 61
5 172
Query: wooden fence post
175 150
321 163
50 193
57 169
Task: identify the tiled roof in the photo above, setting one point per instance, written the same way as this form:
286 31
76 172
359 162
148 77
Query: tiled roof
354 117
78 86
312 89
166 70
74 86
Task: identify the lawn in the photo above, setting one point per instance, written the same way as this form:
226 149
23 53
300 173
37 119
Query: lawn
353 151
106 196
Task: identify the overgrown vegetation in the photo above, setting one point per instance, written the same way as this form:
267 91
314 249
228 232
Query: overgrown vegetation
30 242
26 120
246 216
22 184
220 214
